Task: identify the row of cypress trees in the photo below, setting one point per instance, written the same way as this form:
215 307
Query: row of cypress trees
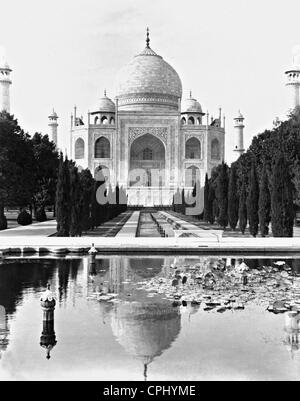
228 200
77 207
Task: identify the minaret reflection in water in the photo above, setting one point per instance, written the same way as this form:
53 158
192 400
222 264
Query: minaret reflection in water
292 330
4 332
48 338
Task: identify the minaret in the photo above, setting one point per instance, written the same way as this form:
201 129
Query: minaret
239 136
5 83
293 83
53 127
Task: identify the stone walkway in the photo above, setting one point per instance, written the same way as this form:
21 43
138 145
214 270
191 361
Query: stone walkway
186 246
110 228
48 229
226 234
181 226
44 229
129 229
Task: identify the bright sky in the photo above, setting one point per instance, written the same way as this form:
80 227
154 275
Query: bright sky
230 53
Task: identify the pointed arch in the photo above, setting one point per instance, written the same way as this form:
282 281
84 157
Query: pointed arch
102 148
193 149
104 120
215 149
79 148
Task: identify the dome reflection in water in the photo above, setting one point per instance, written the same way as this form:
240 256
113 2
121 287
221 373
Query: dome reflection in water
138 333
144 327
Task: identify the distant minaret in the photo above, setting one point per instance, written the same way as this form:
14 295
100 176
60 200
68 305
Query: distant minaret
5 83
293 83
53 127
239 136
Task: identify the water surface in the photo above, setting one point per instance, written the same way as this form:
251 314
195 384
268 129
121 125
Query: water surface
140 335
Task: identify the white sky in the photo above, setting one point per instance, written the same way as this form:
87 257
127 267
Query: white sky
230 53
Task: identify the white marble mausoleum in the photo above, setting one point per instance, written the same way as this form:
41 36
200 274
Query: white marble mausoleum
148 140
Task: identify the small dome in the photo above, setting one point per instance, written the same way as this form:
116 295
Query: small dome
54 114
239 116
106 104
4 64
293 68
191 105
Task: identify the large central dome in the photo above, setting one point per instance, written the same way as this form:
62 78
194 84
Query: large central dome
148 82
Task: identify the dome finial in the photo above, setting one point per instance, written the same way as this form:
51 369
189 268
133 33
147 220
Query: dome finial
190 94
148 39
104 92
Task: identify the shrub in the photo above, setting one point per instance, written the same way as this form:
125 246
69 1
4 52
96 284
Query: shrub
24 218
41 215
3 222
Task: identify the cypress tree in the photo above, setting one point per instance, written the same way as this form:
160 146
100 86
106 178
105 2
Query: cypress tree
210 204
63 199
194 196
282 215
75 195
206 199
215 209
94 205
117 200
252 201
243 209
60 196
233 199
3 221
222 196
86 185
182 208
264 204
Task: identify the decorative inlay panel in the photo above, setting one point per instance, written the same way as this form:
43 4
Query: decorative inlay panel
159 132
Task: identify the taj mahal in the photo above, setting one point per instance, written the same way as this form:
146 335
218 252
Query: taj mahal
148 140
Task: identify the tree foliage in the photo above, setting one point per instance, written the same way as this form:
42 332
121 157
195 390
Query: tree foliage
233 198
243 209
282 213
46 161
252 201
264 204
206 199
222 196
17 164
63 198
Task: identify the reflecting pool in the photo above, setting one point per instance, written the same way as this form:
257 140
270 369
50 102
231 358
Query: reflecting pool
150 318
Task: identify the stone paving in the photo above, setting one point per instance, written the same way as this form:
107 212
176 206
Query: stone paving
44 229
110 228
35 238
227 233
